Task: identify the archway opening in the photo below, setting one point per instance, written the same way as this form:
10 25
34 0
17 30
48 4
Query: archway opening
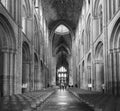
25 67
89 72
99 67
61 49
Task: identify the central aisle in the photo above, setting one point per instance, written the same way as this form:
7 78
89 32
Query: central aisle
62 100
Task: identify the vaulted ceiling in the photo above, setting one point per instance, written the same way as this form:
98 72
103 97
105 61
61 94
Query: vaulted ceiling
67 12
61 48
61 43
62 10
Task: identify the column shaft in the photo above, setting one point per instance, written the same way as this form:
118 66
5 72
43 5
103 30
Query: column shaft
5 74
115 72
99 76
11 73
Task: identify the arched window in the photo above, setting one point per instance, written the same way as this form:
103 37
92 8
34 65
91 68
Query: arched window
24 24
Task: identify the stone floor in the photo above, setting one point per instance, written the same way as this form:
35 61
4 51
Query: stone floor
52 99
62 100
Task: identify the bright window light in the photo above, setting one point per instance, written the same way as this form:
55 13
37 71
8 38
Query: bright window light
62 69
62 29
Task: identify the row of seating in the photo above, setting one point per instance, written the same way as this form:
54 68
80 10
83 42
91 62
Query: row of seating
99 101
26 101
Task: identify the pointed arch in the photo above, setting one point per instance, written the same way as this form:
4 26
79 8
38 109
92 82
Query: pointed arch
99 51
95 8
66 25
7 36
25 67
62 29
114 38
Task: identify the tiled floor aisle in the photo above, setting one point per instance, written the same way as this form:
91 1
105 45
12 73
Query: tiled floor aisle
62 100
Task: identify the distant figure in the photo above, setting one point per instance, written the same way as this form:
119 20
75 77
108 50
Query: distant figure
48 85
62 86
103 88
76 85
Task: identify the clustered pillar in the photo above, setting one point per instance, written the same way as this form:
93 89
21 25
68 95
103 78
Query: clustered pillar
8 72
114 77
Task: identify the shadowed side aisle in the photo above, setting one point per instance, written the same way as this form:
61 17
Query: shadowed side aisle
63 100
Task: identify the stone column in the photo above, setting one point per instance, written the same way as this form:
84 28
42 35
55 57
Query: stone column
110 75
39 77
89 74
94 76
81 81
5 73
31 75
11 72
99 76
119 73
36 78
14 73
115 72
70 72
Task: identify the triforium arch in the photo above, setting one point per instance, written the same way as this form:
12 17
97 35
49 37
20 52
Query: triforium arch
89 70
25 67
7 57
98 17
26 14
99 66
114 57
